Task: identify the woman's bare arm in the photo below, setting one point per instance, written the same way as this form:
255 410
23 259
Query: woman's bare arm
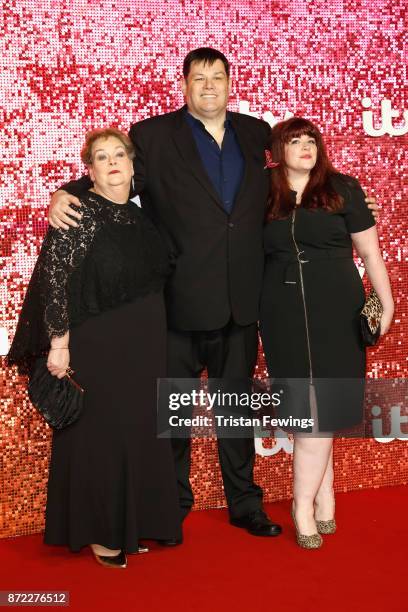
367 247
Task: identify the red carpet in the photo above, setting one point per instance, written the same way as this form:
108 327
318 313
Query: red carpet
222 568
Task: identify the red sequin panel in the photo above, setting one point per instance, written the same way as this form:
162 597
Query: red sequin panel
67 67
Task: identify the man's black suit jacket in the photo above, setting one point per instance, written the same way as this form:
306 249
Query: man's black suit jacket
219 264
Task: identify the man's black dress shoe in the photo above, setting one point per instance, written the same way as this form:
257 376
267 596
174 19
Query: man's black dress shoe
257 523
171 542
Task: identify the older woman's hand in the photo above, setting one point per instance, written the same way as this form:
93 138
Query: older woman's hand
58 361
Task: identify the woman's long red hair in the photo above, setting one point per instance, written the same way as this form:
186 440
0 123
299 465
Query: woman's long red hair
319 192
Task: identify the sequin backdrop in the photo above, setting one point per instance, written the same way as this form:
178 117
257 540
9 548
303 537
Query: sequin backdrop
68 66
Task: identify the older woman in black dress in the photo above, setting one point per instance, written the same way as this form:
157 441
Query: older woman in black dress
95 302
311 300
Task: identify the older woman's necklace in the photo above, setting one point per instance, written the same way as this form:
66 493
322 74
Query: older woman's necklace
110 199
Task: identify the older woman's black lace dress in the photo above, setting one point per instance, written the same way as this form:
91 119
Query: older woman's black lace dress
111 480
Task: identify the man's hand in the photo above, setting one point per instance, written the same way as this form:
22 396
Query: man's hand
60 209
373 206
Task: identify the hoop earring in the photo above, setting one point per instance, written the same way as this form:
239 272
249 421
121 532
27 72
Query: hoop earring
133 183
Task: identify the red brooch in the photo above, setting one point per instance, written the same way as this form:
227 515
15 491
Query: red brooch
269 161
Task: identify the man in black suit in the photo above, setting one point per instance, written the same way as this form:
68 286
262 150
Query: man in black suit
200 173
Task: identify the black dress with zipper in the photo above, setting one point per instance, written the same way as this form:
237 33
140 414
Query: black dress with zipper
311 300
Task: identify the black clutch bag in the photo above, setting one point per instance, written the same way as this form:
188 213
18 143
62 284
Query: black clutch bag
59 400
370 319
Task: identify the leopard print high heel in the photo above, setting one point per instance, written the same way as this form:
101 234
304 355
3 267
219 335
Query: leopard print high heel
326 527
307 541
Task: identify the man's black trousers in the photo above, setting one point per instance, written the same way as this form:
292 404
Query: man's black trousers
229 353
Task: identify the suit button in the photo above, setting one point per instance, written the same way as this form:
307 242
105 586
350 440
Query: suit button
230 225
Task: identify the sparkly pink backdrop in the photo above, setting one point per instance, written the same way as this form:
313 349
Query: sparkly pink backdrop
73 65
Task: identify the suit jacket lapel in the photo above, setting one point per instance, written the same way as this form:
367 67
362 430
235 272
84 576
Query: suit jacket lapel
187 148
247 152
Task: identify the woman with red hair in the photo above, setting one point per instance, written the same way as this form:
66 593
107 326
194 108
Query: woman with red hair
310 309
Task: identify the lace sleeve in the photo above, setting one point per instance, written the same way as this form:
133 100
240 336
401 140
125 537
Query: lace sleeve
44 313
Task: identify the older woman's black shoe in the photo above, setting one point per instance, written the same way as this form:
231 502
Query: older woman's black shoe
119 561
170 542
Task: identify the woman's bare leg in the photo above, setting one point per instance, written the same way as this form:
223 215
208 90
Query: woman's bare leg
310 463
324 502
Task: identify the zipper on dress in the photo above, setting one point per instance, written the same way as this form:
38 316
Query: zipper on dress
302 286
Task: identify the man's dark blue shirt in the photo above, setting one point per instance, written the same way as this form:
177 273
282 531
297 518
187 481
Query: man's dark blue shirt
225 165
